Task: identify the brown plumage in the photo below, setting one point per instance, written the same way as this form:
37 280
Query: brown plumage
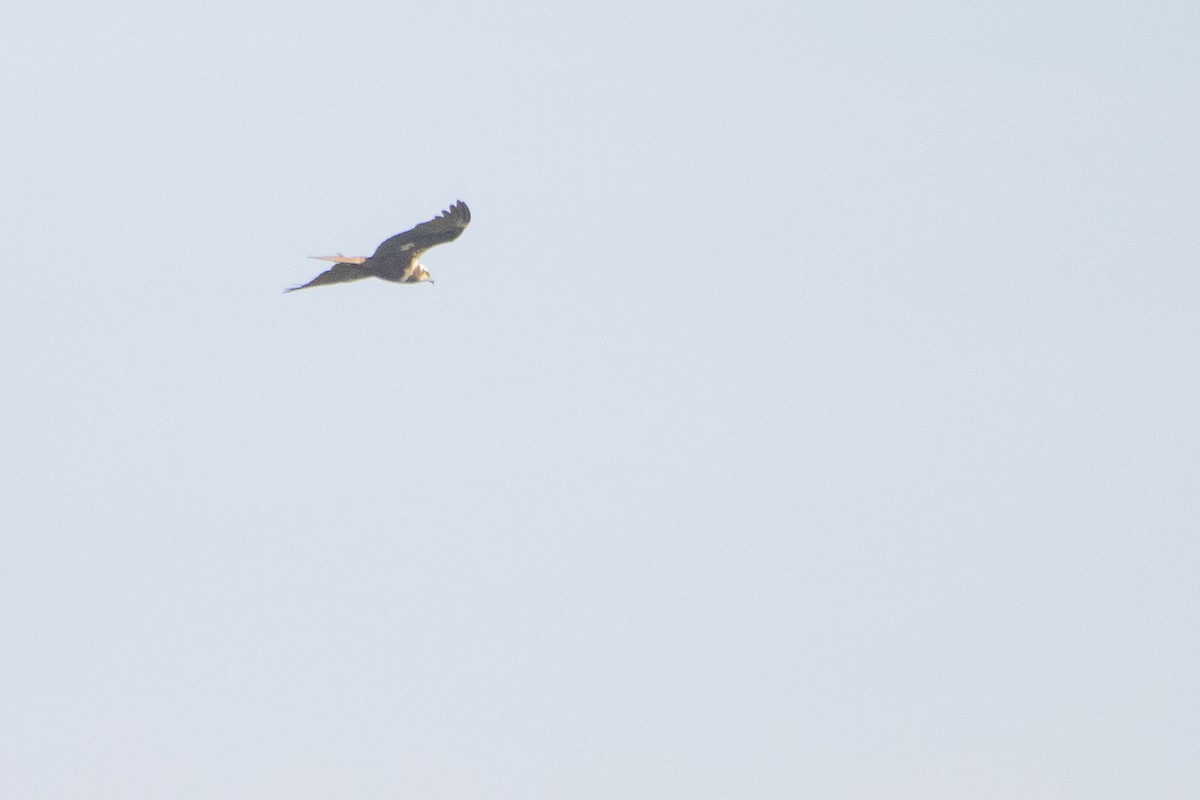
397 259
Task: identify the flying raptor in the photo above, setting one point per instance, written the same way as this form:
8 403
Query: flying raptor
397 259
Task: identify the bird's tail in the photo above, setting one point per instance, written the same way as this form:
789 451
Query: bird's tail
341 259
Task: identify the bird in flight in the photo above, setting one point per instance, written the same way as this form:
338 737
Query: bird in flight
397 259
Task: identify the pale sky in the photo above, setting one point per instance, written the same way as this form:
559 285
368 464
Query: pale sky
809 411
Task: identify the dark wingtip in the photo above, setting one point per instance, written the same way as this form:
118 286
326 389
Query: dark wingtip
461 210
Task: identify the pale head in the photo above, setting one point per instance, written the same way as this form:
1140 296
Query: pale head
419 275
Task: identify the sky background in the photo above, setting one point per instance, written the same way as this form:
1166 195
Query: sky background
810 409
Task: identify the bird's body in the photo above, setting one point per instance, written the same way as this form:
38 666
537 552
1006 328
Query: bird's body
397 259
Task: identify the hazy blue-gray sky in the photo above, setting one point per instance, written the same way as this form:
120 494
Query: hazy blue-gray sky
810 409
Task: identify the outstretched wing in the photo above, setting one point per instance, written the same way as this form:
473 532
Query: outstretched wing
439 230
341 273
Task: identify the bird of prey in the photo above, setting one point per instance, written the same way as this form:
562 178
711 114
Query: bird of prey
398 259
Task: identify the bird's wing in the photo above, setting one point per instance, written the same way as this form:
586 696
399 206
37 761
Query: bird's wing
439 230
341 273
